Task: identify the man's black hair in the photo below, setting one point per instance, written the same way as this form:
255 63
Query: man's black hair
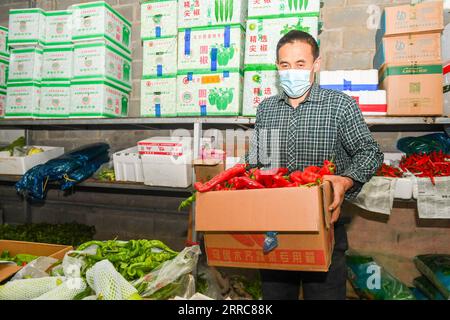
297 35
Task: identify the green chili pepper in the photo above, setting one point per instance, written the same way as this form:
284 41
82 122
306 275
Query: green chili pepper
226 9
221 10
216 10
231 9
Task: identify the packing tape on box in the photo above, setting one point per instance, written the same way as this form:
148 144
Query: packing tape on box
187 42
157 110
214 59
158 32
227 36
203 110
159 70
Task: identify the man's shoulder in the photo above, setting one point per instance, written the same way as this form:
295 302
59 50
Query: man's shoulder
334 95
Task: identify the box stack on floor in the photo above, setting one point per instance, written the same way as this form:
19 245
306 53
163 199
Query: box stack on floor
101 82
409 58
211 38
362 85
267 22
4 65
159 38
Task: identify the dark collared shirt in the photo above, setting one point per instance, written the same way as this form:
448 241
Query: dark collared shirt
327 125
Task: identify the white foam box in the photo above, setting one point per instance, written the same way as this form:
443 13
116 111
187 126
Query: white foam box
20 165
403 188
57 63
393 158
101 59
211 48
158 97
4 51
167 161
55 100
261 8
2 103
128 165
260 82
262 36
371 103
160 57
350 80
159 19
26 27
98 99
4 70
58 27
23 99
26 64
209 93
98 20
197 13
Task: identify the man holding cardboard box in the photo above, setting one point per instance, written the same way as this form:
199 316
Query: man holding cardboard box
307 125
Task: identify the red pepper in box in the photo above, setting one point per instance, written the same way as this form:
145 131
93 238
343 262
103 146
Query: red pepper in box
280 181
296 176
224 176
311 177
329 168
313 169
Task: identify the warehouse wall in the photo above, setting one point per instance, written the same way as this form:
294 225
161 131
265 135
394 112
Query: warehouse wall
347 42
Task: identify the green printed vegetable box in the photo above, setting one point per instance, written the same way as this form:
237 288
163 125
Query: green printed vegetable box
98 99
58 27
4 51
55 100
205 93
260 82
4 70
25 64
22 99
2 103
101 59
211 48
262 36
26 27
159 19
57 63
197 13
158 98
98 20
160 57
282 7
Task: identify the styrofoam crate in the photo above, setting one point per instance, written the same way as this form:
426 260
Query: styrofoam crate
20 165
403 188
128 165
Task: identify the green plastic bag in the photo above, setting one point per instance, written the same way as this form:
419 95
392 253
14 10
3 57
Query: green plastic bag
436 267
427 288
371 281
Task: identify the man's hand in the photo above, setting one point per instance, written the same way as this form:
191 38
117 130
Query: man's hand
340 186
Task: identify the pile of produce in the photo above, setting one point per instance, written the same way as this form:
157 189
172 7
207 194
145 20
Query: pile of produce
18 149
20 259
431 165
72 234
67 170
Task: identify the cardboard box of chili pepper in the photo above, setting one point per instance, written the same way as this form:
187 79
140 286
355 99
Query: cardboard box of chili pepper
32 248
234 225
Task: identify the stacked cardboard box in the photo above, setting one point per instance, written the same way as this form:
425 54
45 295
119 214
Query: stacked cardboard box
362 85
211 39
101 83
159 38
409 58
267 22
4 64
446 68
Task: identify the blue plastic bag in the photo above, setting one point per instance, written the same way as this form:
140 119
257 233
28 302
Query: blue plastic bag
425 144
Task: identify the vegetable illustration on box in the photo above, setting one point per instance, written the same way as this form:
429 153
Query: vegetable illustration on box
220 98
298 4
299 26
224 54
223 10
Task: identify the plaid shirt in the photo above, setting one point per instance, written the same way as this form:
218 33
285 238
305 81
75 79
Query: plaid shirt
327 125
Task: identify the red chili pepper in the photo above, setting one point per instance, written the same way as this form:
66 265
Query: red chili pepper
246 182
328 168
311 177
314 169
294 184
296 176
221 177
280 181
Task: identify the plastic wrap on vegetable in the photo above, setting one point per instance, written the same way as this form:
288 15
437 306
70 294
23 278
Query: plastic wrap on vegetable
425 144
34 182
35 269
371 281
166 280
436 267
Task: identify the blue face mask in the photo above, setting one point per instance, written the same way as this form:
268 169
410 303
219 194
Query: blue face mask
295 82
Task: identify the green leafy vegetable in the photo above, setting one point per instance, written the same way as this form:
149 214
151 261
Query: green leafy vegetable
19 142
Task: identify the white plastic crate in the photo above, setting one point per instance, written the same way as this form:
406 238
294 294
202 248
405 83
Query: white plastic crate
350 80
128 165
20 165
167 161
403 188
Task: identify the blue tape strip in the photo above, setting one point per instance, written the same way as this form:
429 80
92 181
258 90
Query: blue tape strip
226 74
203 110
354 87
158 32
227 37
347 85
214 59
187 42
158 110
159 70
189 76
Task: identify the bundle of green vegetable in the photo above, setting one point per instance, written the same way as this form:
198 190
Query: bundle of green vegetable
68 233
20 259
106 174
19 142
132 259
